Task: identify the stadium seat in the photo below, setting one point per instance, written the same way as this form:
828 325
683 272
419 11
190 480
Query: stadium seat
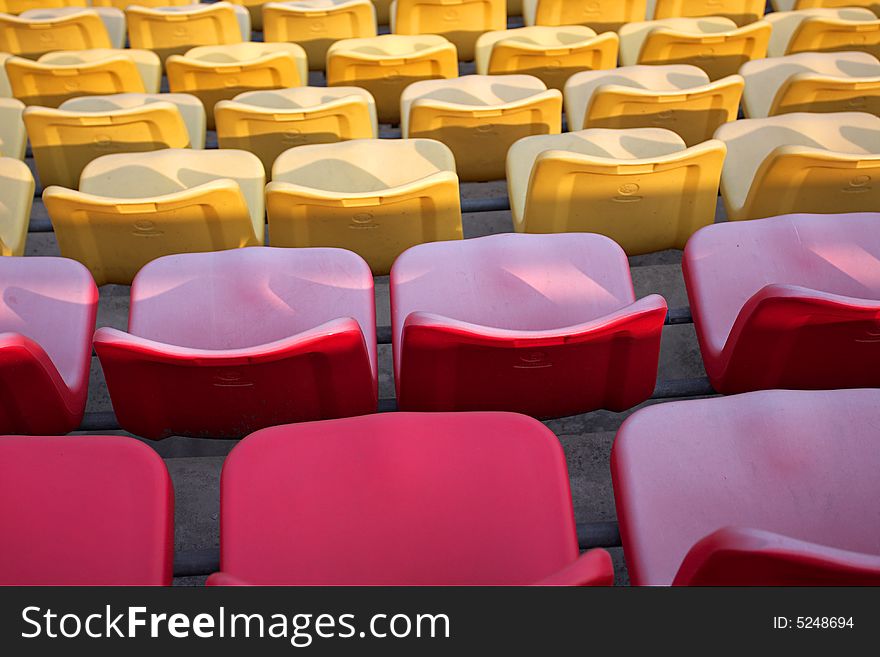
32 37
47 316
112 18
546 325
479 117
812 82
800 162
442 499
215 73
714 44
225 343
132 208
789 5
768 488
124 4
267 123
5 89
460 21
600 15
17 192
16 7
824 30
13 138
642 187
84 510
376 197
741 12
551 54
317 24
802 309
385 65
678 97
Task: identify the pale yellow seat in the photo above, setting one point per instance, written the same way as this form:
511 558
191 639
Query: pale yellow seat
132 208
678 97
812 82
741 12
125 4
551 54
17 194
113 19
824 30
642 187
385 65
801 162
601 15
267 123
376 197
789 5
716 45
215 73
18 6
316 24
5 87
460 21
479 117
34 37
13 137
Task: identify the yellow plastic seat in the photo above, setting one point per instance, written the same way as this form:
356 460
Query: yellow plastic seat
215 73
125 4
267 123
316 24
716 45
551 54
174 30
801 162
824 30
385 65
642 187
601 15
112 18
741 12
812 82
13 137
790 5
678 97
376 197
17 192
479 117
32 37
16 7
460 21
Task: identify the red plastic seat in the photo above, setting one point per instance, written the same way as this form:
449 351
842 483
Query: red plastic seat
771 487
84 510
546 325
47 316
224 343
402 499
788 302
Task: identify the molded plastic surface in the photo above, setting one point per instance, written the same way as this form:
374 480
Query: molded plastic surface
17 192
32 37
460 21
823 30
741 12
600 15
13 136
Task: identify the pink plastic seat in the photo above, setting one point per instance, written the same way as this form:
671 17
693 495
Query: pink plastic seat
224 343
546 325
764 488
402 499
84 510
47 316
788 302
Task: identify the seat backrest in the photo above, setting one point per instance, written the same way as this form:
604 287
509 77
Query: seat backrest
17 192
740 12
173 32
601 15
79 30
850 29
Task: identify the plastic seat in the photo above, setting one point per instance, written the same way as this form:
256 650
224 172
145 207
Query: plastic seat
375 197
17 192
226 343
132 208
551 54
32 37
601 15
385 65
824 30
125 4
802 310
460 21
267 123
678 97
317 24
16 7
215 73
255 11
494 486
789 5
800 162
769 488
741 12
113 20
13 138
714 44
641 187
546 325
479 117
812 82
47 316
5 88
84 510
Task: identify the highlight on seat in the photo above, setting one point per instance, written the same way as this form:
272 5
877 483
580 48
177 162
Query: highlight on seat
801 311
132 208
38 32
741 12
697 487
600 15
568 338
376 197
13 136
268 336
405 484
460 21
642 187
17 192
824 30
